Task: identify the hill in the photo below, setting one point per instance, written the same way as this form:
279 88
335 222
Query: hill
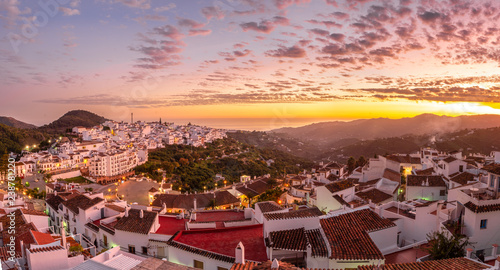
193 168
15 139
366 129
12 122
467 141
72 119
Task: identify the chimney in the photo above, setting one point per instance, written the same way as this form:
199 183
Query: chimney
469 252
23 251
309 250
63 235
275 264
497 263
495 250
427 182
194 204
141 214
164 205
126 211
240 253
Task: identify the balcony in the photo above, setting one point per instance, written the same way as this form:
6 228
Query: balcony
102 244
66 217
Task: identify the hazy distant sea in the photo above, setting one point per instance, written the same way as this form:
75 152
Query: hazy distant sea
260 124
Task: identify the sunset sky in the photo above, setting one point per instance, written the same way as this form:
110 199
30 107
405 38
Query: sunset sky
286 62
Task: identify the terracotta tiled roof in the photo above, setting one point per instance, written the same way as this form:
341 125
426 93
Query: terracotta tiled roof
449 159
270 206
392 175
482 208
318 244
33 212
492 168
186 201
246 266
446 264
338 186
293 240
462 178
340 200
115 207
81 202
92 226
375 195
204 253
42 238
157 264
134 223
404 159
45 249
220 244
434 180
254 188
429 171
4 255
301 213
282 266
348 236
152 190
54 202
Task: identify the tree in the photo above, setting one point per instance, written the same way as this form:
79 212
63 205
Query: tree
444 245
351 164
184 161
361 161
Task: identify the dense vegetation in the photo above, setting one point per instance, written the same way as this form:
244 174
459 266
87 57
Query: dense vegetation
72 119
11 122
15 139
194 168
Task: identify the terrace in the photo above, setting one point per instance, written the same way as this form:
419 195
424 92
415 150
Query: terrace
169 225
482 194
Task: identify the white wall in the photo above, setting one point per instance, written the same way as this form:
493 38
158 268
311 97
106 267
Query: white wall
326 202
424 192
38 261
484 238
187 258
343 264
386 239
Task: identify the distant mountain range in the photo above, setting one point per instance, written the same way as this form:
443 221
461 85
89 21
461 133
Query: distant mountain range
11 122
326 133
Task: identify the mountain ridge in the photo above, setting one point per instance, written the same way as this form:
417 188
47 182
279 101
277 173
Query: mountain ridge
12 122
365 129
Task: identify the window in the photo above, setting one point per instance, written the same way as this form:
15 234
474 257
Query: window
483 223
131 249
105 239
145 250
442 192
197 264
461 168
492 180
221 268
